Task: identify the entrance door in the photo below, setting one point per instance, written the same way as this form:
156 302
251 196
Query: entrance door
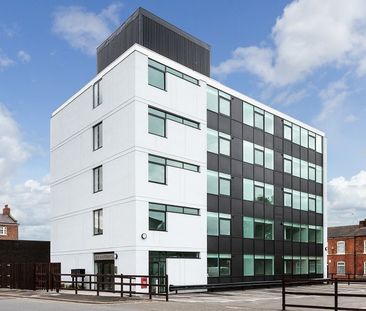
106 269
158 268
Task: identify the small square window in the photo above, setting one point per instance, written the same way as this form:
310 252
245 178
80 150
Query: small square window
156 77
157 220
156 125
157 173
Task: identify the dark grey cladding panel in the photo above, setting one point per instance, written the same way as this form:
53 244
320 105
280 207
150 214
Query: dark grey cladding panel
147 29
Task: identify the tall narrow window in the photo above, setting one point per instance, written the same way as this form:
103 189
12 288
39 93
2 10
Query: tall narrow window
341 267
224 183
248 114
224 103
259 118
287 164
98 221
156 74
224 144
268 122
212 99
98 179
287 130
97 94
98 136
258 155
341 247
364 268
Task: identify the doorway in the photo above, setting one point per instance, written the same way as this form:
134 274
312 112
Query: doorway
157 267
104 267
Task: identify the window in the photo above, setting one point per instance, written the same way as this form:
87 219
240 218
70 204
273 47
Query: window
258 265
311 171
364 246
268 122
98 178
296 167
218 142
98 221
319 234
97 136
312 141
218 183
218 265
258 228
303 169
296 134
157 168
248 111
341 247
312 202
364 267
304 137
287 198
218 101
319 174
287 130
287 164
257 154
157 121
319 204
156 74
218 224
319 144
258 118
3 231
312 234
258 191
341 267
97 94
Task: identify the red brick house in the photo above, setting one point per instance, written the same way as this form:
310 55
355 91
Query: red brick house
8 225
347 250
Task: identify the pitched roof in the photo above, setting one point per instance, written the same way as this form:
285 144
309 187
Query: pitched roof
5 219
346 231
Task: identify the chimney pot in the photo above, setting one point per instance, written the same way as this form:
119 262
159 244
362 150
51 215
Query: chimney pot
6 210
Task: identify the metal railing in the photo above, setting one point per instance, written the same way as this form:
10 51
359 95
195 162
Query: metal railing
112 283
335 294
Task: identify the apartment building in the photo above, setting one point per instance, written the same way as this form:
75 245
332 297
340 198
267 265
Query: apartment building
347 251
157 168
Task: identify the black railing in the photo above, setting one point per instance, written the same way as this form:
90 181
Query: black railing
335 294
112 283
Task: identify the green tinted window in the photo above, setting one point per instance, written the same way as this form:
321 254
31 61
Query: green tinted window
212 182
157 173
287 199
268 122
157 221
156 125
156 78
212 99
212 141
248 149
248 227
258 156
248 265
224 106
304 201
212 224
269 163
224 186
248 112
296 134
224 226
224 146
248 189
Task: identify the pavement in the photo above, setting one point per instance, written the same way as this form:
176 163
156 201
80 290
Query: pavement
250 299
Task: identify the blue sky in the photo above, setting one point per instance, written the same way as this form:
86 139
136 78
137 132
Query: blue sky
305 58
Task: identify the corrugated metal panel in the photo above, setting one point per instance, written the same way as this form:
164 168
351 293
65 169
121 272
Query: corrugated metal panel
158 35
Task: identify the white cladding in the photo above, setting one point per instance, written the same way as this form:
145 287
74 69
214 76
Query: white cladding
126 96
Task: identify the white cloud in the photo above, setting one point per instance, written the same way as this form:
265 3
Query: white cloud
347 199
29 200
309 35
23 56
333 98
5 61
85 30
288 98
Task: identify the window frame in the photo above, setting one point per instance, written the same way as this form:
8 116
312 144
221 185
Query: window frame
157 117
3 230
151 65
97 98
98 136
99 227
339 246
98 180
339 264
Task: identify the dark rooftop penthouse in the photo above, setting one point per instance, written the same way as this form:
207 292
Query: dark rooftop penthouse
156 34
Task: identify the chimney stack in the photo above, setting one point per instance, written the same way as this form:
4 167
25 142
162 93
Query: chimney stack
6 210
362 223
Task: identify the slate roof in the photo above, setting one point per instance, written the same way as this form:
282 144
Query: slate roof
4 219
346 231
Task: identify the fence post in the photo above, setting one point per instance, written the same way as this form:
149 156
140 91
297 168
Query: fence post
283 295
76 285
166 288
335 295
130 286
121 285
150 292
97 284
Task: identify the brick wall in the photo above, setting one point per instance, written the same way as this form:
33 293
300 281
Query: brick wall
12 230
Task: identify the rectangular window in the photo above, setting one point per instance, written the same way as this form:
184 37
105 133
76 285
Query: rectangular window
364 246
212 99
212 182
296 201
304 169
258 155
364 267
224 184
258 191
97 94
312 234
157 123
287 130
218 224
312 141
248 111
296 134
268 159
258 118
319 174
304 137
97 136
3 231
319 204
248 152
157 170
341 247
248 265
312 203
304 201
268 122
287 164
224 103
319 234
218 265
157 220
287 231
341 267
156 74
248 227
304 233
224 144
311 172
98 221
212 141
319 265
319 144
296 167
287 198
98 179
248 190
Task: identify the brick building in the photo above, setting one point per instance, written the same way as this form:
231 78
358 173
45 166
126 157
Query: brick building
347 250
8 225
